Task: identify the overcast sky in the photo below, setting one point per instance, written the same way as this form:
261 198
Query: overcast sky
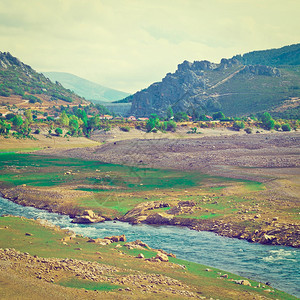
129 44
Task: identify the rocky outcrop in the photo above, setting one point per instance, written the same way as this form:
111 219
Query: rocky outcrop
137 214
87 217
261 70
201 85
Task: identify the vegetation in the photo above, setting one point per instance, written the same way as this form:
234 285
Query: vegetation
267 121
21 80
286 127
288 55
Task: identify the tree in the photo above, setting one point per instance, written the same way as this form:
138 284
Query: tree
181 116
171 126
17 121
170 113
28 115
64 119
152 123
286 127
267 121
218 116
74 124
238 125
24 129
9 116
58 131
4 127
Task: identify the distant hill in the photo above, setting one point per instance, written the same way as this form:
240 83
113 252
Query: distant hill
19 84
288 55
235 86
89 90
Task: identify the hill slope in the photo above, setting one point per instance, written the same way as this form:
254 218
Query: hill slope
288 55
20 84
230 86
85 88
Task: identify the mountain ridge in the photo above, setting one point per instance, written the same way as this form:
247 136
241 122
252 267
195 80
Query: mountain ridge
21 81
234 87
85 88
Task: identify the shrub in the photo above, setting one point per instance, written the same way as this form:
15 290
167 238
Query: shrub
37 131
248 130
238 125
171 126
58 131
267 121
286 127
277 126
125 128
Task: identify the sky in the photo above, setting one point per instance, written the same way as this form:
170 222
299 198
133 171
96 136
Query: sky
129 44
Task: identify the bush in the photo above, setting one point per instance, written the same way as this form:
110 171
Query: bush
248 130
277 126
238 125
58 131
37 131
125 128
171 126
267 121
286 127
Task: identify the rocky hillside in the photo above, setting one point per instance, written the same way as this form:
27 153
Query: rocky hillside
231 86
89 90
20 83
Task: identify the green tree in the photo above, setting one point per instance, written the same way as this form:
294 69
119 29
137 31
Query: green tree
64 119
152 123
58 131
4 127
218 116
17 121
181 116
170 113
28 115
24 129
267 121
74 124
238 125
286 127
171 126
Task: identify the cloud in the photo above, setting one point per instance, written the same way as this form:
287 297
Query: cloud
128 44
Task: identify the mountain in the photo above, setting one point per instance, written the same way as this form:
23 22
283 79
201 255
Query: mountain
20 83
85 88
288 55
235 86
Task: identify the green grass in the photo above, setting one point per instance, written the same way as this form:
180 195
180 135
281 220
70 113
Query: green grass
45 242
35 170
19 150
88 285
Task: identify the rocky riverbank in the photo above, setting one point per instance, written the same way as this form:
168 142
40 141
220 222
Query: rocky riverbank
271 232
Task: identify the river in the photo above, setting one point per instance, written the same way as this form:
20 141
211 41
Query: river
276 264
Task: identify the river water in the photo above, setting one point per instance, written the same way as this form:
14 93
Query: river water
276 264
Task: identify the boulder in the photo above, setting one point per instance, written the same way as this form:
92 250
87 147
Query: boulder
161 256
87 217
243 282
116 238
137 245
159 218
141 255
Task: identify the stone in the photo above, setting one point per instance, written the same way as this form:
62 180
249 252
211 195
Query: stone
88 216
159 218
162 257
116 238
141 255
243 282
